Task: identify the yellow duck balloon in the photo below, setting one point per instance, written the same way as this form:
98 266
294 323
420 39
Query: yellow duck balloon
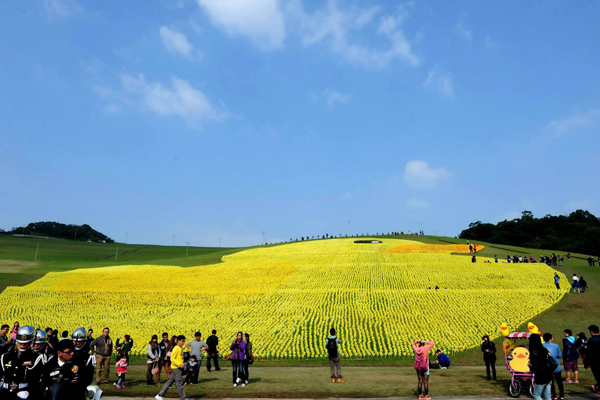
510 344
534 329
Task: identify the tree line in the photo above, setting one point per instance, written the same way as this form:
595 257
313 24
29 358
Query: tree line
61 231
578 232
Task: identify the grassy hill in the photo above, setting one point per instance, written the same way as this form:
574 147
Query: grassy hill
18 267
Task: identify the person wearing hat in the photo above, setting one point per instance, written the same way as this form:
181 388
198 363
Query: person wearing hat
20 370
65 375
40 346
489 356
82 351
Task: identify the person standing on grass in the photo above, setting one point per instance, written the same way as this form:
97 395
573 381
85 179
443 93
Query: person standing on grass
332 344
13 332
582 284
237 356
592 357
539 366
4 341
248 357
571 355
197 346
101 347
557 280
163 348
153 359
177 366
555 352
121 371
489 356
213 351
422 348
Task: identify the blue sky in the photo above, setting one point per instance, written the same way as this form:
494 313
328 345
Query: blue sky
221 119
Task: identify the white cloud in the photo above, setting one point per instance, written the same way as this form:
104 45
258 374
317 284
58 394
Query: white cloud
334 26
177 42
419 175
462 31
585 204
333 97
490 43
417 204
61 8
574 122
262 21
441 81
181 99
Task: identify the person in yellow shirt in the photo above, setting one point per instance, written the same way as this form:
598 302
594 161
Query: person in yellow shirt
177 366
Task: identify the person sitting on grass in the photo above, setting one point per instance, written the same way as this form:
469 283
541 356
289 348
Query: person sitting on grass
442 361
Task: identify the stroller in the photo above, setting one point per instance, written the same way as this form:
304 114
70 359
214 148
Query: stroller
517 358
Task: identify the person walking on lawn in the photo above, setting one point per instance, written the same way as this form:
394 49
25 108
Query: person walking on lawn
177 366
421 348
570 356
541 368
489 356
332 344
102 347
555 352
213 351
592 356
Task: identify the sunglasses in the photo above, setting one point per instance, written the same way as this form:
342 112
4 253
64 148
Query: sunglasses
67 352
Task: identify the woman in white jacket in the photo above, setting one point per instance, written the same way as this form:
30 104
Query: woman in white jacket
153 359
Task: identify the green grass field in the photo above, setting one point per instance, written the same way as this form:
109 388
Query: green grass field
307 378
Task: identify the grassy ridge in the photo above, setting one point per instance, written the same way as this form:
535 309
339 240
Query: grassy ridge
16 254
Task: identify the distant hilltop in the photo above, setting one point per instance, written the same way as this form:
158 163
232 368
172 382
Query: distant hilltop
84 233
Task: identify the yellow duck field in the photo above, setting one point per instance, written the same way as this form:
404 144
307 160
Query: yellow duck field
379 297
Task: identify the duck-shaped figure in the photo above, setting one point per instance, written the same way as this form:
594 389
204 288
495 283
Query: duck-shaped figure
520 359
510 344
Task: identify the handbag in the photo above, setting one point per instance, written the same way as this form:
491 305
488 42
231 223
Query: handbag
154 369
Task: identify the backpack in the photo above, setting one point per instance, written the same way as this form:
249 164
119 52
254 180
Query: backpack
550 365
421 364
332 348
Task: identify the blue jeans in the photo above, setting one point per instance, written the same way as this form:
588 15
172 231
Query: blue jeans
238 370
542 391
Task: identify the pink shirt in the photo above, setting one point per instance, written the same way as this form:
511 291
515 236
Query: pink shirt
121 366
423 349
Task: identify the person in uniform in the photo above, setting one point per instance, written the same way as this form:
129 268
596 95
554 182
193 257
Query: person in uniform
82 351
21 368
40 346
65 375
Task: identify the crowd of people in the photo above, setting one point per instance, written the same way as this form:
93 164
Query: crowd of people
548 373
37 364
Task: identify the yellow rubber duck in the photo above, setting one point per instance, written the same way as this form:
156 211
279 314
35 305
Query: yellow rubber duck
534 329
520 359
510 344
504 330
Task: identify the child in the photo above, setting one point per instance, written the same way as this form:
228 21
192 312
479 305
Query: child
121 371
193 368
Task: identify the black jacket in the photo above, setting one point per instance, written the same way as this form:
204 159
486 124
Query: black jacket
59 379
491 355
538 361
592 356
21 367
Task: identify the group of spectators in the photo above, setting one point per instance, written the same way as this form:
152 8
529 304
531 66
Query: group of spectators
574 348
63 368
